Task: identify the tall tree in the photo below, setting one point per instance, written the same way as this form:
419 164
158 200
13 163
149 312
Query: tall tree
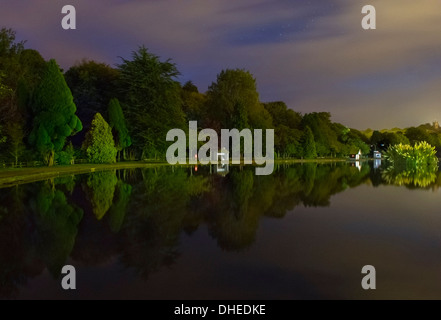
233 88
93 85
189 86
287 126
194 103
326 139
117 122
151 101
54 114
99 145
308 142
15 142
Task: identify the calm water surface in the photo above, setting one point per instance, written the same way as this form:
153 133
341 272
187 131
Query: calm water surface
177 233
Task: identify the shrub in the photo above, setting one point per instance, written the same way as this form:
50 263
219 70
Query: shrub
406 157
99 145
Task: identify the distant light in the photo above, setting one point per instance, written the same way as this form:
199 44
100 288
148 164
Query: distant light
196 168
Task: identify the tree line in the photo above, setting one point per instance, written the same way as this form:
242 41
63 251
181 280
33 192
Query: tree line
103 114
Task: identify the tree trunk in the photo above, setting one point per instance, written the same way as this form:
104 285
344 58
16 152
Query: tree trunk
51 158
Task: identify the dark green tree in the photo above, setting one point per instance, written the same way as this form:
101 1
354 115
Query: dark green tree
93 85
99 145
16 135
190 87
151 101
308 143
282 115
54 114
377 140
418 134
287 126
326 139
194 104
117 122
235 88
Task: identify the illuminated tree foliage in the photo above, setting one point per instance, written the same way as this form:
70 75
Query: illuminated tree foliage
99 146
54 114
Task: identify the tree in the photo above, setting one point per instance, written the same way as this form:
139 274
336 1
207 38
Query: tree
236 88
287 129
99 145
16 135
194 104
190 87
417 135
117 122
151 101
93 85
282 115
21 70
3 138
67 156
8 46
54 114
326 139
377 139
308 142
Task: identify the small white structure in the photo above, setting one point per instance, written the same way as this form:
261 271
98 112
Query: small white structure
222 161
358 155
377 154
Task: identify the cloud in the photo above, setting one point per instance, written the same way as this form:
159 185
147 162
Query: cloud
315 56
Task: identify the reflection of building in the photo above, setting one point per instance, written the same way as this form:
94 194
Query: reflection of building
222 161
222 155
377 163
356 164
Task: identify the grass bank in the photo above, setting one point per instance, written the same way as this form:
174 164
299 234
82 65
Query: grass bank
13 176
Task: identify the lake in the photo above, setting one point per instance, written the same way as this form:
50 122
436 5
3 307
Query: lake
304 232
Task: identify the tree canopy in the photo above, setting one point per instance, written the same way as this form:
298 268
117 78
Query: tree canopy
54 114
99 145
151 100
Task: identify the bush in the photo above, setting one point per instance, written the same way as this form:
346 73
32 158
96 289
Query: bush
405 157
99 145
66 157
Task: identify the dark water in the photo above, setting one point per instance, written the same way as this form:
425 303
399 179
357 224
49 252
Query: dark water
176 233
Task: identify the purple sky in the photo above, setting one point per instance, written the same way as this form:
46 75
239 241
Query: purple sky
313 55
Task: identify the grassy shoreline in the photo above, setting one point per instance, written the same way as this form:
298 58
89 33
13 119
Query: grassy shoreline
14 176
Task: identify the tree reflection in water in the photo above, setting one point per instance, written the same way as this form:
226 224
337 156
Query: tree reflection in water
137 217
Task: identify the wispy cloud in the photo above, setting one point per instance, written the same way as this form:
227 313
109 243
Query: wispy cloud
313 55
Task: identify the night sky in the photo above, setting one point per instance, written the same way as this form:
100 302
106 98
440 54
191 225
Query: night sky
313 55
